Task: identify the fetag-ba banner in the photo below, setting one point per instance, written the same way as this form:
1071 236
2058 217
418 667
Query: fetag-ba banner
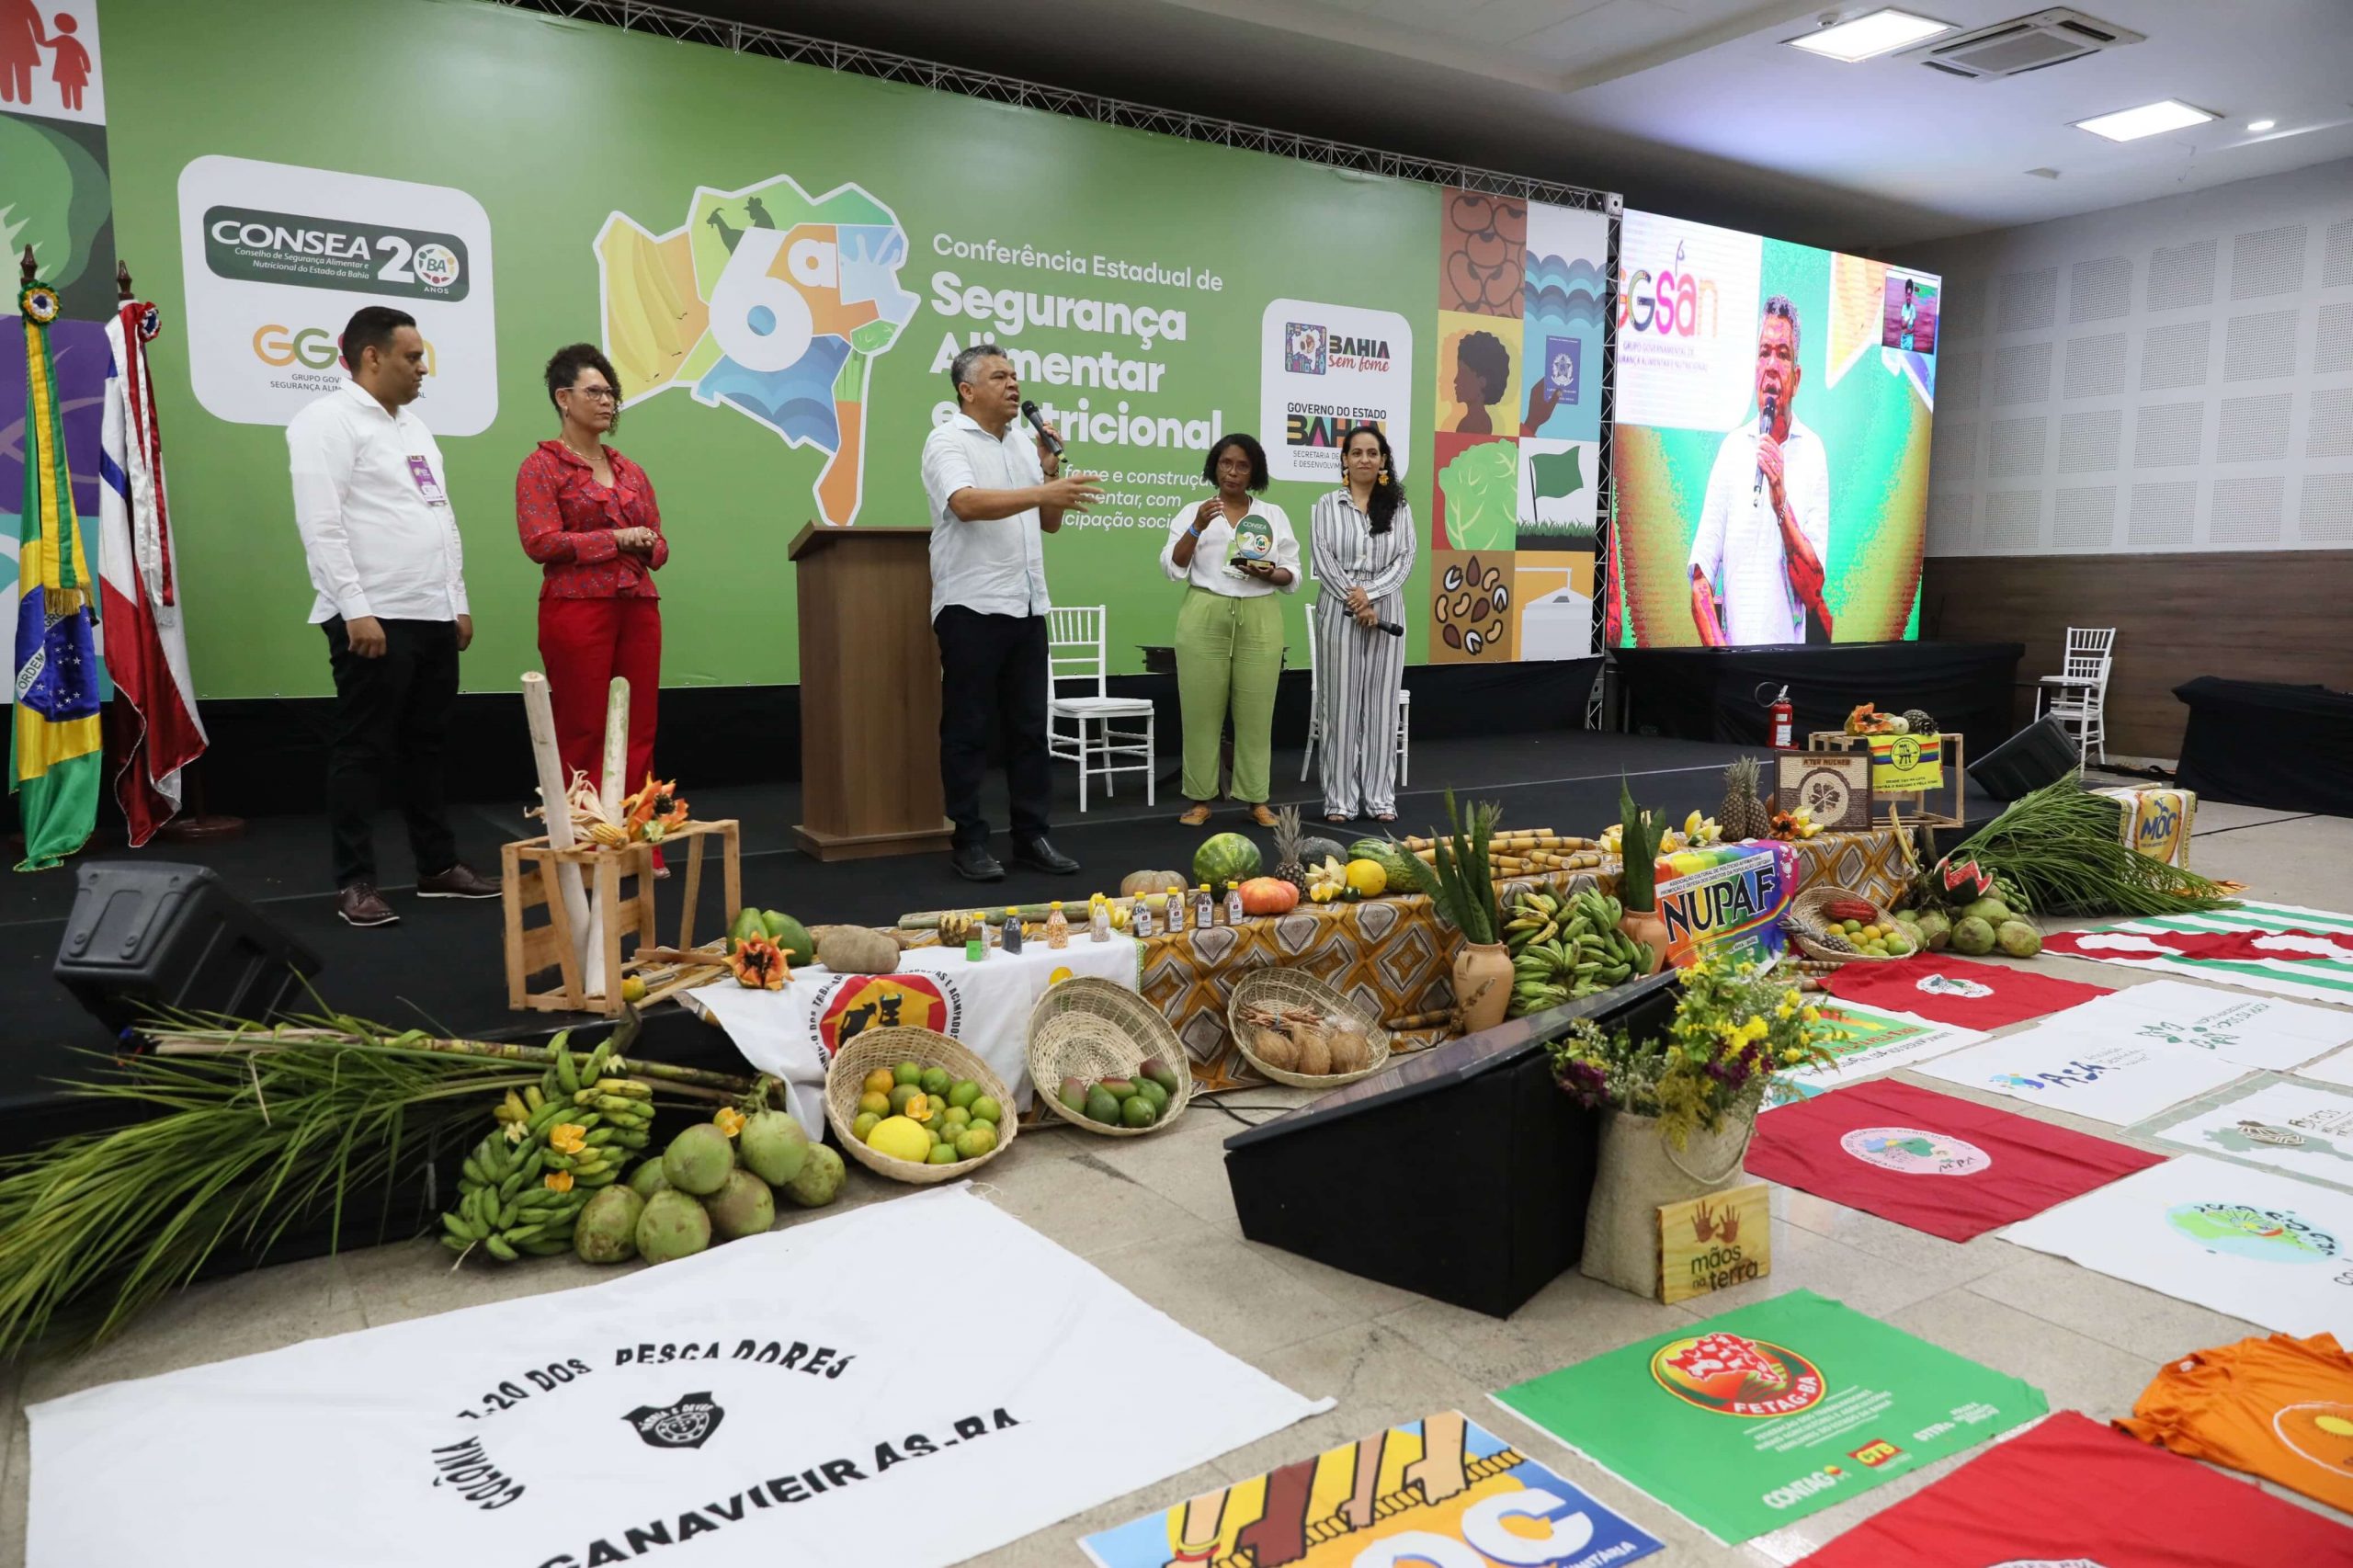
2268 1248
903 1386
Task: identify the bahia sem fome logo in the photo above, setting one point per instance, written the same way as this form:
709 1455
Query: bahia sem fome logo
767 301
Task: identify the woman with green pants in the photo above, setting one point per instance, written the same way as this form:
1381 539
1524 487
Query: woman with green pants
1233 553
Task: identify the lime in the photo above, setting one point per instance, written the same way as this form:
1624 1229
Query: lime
985 1109
879 1104
963 1093
880 1081
956 1116
975 1140
904 1094
936 1080
941 1154
907 1073
863 1125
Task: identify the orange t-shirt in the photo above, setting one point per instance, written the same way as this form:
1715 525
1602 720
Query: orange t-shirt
2280 1408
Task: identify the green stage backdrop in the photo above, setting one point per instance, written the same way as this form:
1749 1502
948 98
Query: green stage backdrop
778 258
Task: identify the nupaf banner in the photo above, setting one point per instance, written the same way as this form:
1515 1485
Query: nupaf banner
781 261
891 1385
1774 403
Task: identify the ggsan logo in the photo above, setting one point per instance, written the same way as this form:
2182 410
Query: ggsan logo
249 244
312 348
1671 301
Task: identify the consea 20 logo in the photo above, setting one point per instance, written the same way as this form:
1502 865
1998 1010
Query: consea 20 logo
1672 301
256 246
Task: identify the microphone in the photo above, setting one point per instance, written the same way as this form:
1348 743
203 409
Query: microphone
1038 423
1763 428
1390 627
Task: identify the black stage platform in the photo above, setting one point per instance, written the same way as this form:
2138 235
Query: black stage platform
1720 694
441 967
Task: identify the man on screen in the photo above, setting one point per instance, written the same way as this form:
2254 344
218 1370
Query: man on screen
1911 316
1764 527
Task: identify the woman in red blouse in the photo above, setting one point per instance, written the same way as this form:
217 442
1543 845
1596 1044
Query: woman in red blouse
587 516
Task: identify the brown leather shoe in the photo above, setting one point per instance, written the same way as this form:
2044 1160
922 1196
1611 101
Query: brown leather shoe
361 904
1262 816
460 880
1195 816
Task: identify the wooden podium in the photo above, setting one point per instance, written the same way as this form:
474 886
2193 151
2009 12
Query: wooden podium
869 695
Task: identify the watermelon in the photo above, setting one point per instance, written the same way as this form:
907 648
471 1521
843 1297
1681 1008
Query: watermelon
1314 850
1224 859
1391 857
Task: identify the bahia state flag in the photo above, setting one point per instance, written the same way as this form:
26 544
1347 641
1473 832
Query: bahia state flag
156 731
55 746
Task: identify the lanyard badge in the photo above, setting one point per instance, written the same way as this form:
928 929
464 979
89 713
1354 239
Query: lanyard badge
427 485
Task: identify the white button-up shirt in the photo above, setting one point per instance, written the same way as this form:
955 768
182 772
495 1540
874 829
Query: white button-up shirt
1739 541
371 500
996 567
1215 549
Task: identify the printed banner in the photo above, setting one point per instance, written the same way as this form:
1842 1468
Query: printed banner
2297 1127
2073 1493
702 1403
2251 1031
2280 1408
1728 898
1441 1490
1944 1166
2091 1073
1755 1419
2263 1247
795 1032
1948 989
2308 970
2157 822
1869 1040
1906 764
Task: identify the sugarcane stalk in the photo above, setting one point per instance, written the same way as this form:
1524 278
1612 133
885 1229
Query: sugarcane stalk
179 1040
555 802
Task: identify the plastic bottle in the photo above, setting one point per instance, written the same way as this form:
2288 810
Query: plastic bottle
1011 940
1140 919
976 945
1099 920
1204 908
1057 927
1234 905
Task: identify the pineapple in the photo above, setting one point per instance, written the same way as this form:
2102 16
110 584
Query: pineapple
1742 815
1287 836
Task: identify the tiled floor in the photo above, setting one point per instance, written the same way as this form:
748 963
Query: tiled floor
1156 1214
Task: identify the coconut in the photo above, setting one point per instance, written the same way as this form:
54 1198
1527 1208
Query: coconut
648 1179
772 1146
745 1207
698 1159
606 1229
1992 911
1974 937
1934 928
820 1181
2018 939
673 1226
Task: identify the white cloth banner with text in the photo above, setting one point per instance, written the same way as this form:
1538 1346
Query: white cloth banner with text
905 1385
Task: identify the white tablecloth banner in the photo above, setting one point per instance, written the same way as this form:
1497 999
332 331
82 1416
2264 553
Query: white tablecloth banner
2107 1066
794 1032
2304 1129
901 1386
2268 1248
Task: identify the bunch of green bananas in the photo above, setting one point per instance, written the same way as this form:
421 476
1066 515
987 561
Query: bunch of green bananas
1566 948
522 1187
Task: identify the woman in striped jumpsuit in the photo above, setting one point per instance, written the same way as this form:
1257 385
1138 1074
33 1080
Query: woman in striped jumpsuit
1363 549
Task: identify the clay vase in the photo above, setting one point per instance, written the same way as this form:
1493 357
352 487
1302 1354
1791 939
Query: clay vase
1644 925
1483 977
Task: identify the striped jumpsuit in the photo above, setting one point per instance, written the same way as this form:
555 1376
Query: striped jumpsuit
1357 671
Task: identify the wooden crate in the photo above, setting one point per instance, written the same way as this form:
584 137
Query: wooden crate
533 950
1884 804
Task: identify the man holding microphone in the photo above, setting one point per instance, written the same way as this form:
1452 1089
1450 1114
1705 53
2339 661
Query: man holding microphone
993 494
1765 526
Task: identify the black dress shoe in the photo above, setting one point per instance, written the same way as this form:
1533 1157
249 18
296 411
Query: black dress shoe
1039 855
975 864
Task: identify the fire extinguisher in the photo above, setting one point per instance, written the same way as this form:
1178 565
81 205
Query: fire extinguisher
1784 722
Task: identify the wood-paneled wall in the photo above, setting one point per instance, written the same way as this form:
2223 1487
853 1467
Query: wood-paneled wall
2281 614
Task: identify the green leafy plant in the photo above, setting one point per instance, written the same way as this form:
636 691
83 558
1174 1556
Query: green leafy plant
2062 847
1459 878
1640 831
1733 1028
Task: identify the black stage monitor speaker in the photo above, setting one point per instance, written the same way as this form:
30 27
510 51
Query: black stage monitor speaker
2042 753
1462 1173
146 934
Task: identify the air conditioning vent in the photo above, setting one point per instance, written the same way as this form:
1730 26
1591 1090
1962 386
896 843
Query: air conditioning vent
2023 44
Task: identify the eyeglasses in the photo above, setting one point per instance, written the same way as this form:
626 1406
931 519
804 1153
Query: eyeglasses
593 395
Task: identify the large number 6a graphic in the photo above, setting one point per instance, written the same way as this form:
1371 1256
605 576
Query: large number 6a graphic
762 321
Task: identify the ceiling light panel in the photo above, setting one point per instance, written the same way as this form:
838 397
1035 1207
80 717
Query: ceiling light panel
1877 33
2149 120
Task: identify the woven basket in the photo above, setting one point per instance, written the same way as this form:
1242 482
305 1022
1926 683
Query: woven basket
1811 903
1093 1029
869 1049
1289 988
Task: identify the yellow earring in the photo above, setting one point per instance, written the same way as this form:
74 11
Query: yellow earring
1384 479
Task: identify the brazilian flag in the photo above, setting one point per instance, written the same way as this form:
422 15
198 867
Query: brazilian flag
56 746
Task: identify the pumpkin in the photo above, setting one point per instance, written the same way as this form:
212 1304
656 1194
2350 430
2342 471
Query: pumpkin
757 964
1268 895
1136 883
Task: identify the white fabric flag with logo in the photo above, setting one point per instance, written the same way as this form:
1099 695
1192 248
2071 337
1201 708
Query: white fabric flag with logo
2108 1074
2268 1248
903 1386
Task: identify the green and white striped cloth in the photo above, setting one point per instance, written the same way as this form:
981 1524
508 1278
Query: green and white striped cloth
2320 978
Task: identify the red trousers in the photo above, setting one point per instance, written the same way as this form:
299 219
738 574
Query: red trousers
584 644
